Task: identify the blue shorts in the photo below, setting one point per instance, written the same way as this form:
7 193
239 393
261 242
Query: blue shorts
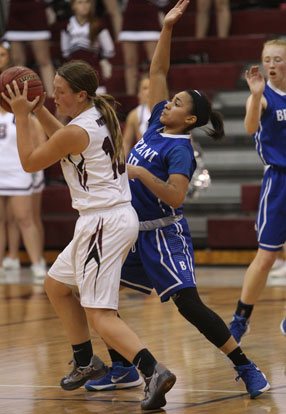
162 259
271 217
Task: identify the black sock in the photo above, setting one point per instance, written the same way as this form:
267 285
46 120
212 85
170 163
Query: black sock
238 357
82 353
145 362
116 357
243 309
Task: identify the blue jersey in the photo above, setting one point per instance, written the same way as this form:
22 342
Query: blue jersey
270 137
161 154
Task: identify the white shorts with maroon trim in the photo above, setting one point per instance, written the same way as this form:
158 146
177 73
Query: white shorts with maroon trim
93 259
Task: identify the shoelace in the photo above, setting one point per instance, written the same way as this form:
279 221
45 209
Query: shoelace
251 373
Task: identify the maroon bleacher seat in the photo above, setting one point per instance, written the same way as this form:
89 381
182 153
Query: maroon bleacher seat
57 200
58 216
250 197
231 232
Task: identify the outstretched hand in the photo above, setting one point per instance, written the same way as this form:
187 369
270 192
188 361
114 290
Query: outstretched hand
255 80
176 12
19 102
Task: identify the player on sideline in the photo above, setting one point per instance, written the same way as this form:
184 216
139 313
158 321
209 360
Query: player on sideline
265 119
160 167
92 158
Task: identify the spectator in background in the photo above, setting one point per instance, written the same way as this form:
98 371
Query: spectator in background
223 17
112 8
16 188
137 119
11 261
140 25
27 22
3 16
84 38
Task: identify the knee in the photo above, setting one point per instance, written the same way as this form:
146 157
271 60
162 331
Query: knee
203 6
221 6
101 320
24 222
187 301
265 260
53 288
43 61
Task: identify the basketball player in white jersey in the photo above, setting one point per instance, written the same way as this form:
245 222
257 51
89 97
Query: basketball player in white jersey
92 158
16 189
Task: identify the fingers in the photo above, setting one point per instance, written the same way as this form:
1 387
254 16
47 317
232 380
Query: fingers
16 91
35 101
9 90
5 97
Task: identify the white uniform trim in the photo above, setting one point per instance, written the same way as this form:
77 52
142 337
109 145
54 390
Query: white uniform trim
264 200
24 35
139 36
76 37
143 114
14 181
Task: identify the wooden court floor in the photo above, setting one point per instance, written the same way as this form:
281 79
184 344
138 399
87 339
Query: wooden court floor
34 352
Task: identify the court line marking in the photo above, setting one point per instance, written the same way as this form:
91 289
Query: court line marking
175 389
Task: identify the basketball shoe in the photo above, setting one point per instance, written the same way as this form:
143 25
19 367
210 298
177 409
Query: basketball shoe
156 387
255 381
79 375
238 327
118 377
9 263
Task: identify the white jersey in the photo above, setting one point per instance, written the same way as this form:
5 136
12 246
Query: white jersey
143 113
76 37
13 179
94 181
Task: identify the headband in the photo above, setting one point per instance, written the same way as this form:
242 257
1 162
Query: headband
201 107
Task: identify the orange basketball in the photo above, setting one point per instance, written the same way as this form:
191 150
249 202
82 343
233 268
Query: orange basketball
20 74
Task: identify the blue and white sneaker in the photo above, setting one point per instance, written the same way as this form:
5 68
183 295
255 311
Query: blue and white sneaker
283 326
118 377
255 381
238 327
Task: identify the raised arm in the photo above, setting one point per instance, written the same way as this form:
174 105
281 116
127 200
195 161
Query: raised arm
158 90
256 102
130 133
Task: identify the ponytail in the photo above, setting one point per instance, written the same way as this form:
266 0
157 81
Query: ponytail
82 77
218 128
202 108
105 104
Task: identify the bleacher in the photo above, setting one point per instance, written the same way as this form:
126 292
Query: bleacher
222 218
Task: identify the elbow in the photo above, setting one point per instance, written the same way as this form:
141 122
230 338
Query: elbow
177 203
250 130
28 168
250 127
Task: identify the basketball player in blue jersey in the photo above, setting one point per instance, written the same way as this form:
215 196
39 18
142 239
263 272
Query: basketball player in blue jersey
160 167
266 120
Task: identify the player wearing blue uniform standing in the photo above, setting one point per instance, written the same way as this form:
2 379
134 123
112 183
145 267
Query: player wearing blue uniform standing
266 120
160 167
